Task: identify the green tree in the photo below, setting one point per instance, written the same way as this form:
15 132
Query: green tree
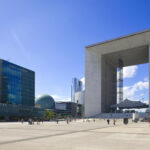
48 114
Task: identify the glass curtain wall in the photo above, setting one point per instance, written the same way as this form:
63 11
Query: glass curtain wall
11 83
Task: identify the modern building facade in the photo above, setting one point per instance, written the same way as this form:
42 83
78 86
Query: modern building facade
80 97
14 112
69 108
101 63
17 84
66 108
75 87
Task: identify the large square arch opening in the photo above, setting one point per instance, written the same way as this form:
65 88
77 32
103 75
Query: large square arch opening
101 61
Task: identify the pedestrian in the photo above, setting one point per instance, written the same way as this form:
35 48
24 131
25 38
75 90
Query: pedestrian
30 121
33 121
114 122
57 121
38 122
108 121
22 120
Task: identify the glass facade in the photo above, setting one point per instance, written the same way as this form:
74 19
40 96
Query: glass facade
45 101
12 81
75 87
69 108
17 84
28 87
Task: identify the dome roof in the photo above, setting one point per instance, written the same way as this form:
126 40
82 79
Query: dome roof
45 101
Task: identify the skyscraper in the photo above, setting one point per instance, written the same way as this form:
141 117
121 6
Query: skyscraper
75 87
17 84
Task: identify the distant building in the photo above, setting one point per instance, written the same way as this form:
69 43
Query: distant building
75 87
45 101
68 108
17 84
80 97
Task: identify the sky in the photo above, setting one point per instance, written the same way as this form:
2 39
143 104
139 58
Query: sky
49 37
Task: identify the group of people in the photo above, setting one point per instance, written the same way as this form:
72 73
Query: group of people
114 122
31 121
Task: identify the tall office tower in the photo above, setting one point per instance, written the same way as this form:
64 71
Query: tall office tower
17 84
75 87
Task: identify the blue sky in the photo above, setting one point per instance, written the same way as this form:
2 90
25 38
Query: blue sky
49 36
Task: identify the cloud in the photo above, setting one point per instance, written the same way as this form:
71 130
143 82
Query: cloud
128 72
83 82
65 99
61 98
56 96
131 91
20 44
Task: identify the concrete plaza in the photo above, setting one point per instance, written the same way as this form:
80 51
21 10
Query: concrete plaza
77 135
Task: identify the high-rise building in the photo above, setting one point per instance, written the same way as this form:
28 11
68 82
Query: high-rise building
75 87
17 84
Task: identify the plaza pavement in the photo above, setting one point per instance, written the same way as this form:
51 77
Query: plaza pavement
77 135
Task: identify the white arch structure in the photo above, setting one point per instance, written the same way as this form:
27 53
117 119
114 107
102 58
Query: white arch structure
101 61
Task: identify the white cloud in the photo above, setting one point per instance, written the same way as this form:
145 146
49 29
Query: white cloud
38 96
128 72
55 96
83 82
65 99
20 44
61 98
130 91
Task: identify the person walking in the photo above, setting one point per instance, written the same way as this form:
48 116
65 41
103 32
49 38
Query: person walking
114 122
108 121
22 120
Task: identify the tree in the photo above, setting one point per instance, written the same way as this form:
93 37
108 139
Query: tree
48 114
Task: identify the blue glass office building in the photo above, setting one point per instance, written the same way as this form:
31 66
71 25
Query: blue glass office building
75 87
17 84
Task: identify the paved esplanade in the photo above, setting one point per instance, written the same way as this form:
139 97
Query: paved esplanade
75 136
